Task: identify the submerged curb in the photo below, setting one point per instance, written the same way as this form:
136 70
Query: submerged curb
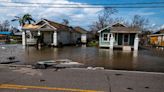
106 70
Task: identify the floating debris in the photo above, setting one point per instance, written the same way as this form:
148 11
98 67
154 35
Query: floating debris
130 88
3 48
118 74
147 87
95 68
42 80
11 58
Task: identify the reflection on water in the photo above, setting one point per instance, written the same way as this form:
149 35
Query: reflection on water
142 60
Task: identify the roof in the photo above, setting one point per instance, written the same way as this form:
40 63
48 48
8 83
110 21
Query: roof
80 30
157 35
58 25
120 28
5 33
31 26
124 30
43 22
118 25
160 31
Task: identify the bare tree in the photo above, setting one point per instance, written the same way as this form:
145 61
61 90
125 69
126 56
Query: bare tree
139 22
104 19
5 26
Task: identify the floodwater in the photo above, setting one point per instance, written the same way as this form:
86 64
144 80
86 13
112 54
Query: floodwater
143 60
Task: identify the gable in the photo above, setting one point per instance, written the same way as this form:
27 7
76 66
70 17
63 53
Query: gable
118 25
106 29
48 27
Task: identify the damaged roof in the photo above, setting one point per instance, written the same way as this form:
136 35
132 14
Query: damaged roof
44 22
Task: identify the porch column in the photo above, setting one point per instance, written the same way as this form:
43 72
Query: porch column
55 38
23 38
136 42
111 41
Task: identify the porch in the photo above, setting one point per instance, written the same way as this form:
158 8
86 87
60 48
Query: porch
119 40
41 36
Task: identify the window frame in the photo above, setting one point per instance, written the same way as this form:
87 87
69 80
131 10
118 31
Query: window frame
108 37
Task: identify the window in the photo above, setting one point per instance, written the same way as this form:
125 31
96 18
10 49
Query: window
109 37
105 37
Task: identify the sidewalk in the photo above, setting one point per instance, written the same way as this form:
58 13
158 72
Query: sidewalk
21 79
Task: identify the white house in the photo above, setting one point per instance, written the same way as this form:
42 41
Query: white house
49 33
119 36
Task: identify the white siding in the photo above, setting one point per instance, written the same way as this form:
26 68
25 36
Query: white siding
75 36
64 37
47 37
83 38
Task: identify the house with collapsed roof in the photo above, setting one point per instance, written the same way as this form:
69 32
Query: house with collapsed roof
119 36
51 33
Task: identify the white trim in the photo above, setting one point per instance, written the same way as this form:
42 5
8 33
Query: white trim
156 35
119 23
48 25
45 24
110 26
40 21
104 28
107 37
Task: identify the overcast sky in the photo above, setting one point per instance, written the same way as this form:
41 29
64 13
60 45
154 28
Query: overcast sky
80 16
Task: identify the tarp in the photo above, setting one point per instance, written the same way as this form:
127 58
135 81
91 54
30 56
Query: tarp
5 33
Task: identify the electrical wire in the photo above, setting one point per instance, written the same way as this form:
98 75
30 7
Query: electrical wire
144 3
84 5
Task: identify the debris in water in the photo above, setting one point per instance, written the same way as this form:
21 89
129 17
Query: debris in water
95 68
118 74
3 47
130 88
42 80
11 58
147 87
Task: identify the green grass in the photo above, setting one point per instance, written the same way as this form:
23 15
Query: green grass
92 43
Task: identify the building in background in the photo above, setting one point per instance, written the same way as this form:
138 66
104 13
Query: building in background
157 39
83 34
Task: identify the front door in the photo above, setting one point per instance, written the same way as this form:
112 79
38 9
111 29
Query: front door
126 39
120 36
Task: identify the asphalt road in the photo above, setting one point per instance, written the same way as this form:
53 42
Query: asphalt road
21 79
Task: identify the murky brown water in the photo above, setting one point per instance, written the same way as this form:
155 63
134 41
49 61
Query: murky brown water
144 60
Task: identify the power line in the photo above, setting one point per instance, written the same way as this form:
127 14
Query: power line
86 6
144 3
82 5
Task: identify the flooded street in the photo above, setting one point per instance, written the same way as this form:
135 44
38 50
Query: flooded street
144 60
